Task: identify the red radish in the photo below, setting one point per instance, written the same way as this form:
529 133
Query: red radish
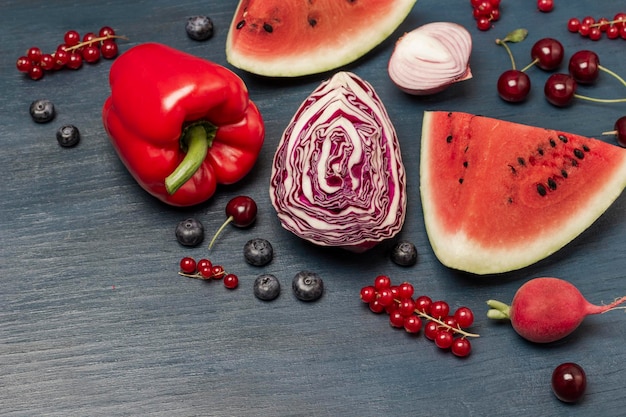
544 310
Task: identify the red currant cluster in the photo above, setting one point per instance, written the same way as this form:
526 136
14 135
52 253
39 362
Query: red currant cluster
485 12
205 270
594 29
407 312
71 53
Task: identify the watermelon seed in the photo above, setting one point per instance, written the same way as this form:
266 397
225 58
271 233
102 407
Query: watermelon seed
241 24
564 173
541 190
574 163
578 153
465 164
562 138
449 139
268 28
585 148
540 151
552 142
521 161
312 22
460 180
513 170
552 184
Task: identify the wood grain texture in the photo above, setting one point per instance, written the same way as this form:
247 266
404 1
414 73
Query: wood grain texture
94 320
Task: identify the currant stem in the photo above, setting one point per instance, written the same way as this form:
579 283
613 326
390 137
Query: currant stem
441 323
100 39
194 276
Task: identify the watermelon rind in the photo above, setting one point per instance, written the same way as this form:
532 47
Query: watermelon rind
457 249
346 46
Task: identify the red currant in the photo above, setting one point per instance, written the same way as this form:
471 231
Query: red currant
36 72
91 54
385 297
569 382
396 319
430 330
24 64
545 5
483 23
573 25
106 31
376 307
218 272
34 54
71 38
513 86
412 324
423 303
439 309
382 281
188 265
231 281
461 347
75 61
444 339
368 294
406 306
109 49
405 290
595 33
47 62
464 316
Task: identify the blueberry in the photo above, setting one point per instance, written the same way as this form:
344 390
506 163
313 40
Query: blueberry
68 136
307 286
404 253
190 232
258 252
42 111
266 287
199 28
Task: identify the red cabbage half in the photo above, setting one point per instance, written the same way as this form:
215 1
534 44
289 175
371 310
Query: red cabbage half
337 176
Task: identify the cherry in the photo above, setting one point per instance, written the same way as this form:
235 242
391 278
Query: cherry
584 66
560 89
620 131
547 54
513 85
569 382
241 212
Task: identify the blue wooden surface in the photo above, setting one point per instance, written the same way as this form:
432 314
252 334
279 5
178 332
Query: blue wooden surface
94 320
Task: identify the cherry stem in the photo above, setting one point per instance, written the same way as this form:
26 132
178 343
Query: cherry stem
508 51
601 100
608 71
534 61
228 220
89 42
442 324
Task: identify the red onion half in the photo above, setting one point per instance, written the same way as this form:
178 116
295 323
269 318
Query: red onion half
430 58
337 176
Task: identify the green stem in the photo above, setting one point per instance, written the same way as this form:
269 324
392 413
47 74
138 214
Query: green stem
196 139
499 310
508 51
601 100
608 71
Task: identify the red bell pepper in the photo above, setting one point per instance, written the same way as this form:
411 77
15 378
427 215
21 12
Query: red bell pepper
180 124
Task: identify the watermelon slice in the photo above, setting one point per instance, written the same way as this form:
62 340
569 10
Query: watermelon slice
498 196
291 38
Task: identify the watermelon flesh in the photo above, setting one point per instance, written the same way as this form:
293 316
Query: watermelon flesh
498 196
290 38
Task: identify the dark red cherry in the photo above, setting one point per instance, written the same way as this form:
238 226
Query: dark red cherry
548 53
584 66
560 89
240 211
513 86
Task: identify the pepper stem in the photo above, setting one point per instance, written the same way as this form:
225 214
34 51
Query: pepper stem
196 139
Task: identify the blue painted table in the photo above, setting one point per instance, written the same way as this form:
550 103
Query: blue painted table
94 319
